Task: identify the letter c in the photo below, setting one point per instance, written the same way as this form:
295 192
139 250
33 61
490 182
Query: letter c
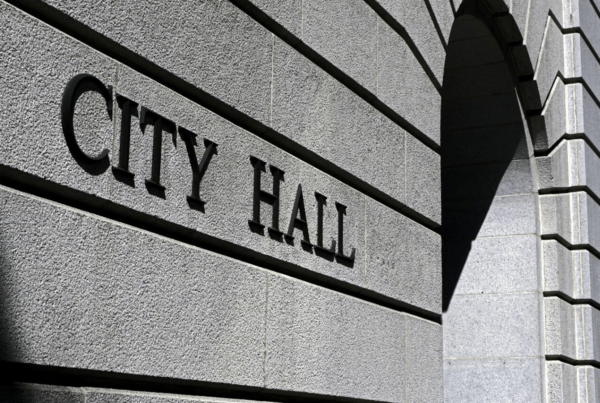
70 97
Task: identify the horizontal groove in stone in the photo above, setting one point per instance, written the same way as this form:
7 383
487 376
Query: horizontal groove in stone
27 183
84 378
572 301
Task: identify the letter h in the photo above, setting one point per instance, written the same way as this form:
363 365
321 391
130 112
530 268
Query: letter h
271 199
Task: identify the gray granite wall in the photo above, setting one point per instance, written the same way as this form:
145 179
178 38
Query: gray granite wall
166 269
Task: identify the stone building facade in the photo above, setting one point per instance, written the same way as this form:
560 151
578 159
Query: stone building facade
242 200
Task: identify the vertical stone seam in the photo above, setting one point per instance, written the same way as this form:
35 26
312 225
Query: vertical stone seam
265 353
302 20
406 168
377 57
406 358
272 80
365 244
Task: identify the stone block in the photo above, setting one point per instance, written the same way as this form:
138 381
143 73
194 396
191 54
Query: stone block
287 13
423 179
582 14
498 325
470 113
317 112
345 33
573 216
587 327
319 341
484 145
402 258
472 82
515 380
420 25
499 265
125 300
586 115
559 328
589 384
230 56
500 216
468 27
404 86
561 382
558 264
556 117
477 49
572 163
551 58
538 22
38 63
488 180
570 110
519 10
424 361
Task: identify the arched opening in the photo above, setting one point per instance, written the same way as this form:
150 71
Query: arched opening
490 241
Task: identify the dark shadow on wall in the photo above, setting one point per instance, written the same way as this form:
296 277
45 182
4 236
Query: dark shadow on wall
482 134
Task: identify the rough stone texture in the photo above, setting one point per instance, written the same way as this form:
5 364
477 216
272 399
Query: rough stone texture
37 393
504 325
395 266
287 13
507 380
583 14
561 382
314 110
40 53
404 86
559 327
552 59
425 377
444 16
571 330
319 341
423 177
228 184
177 311
537 26
420 26
125 301
571 164
570 110
230 57
500 265
573 217
345 33
587 327
589 384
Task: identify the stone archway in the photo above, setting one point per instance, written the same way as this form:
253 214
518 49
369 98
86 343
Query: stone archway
493 341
